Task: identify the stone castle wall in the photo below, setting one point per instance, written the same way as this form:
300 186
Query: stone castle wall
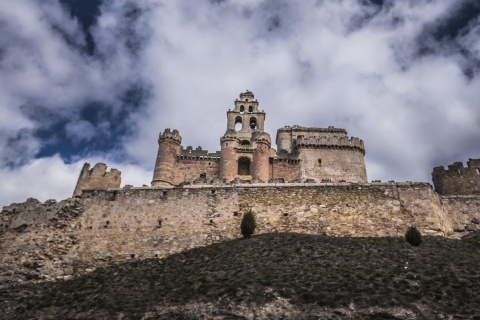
97 178
196 169
286 169
333 164
58 239
458 180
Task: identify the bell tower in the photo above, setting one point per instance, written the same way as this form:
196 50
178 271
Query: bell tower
245 118
244 135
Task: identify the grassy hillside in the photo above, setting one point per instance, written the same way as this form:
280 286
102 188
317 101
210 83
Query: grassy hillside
272 276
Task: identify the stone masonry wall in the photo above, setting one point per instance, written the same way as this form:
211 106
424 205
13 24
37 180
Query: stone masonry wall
56 240
336 165
190 170
97 177
464 211
286 169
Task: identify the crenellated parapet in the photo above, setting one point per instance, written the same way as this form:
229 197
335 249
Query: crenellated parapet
297 128
196 153
262 137
353 143
457 179
169 135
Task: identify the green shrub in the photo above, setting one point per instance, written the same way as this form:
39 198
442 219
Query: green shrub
413 236
247 227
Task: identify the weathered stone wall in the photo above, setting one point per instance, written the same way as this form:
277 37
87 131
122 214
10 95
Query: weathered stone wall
464 211
97 178
458 180
58 239
192 169
334 164
286 169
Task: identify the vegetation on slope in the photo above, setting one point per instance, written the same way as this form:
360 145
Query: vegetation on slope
439 277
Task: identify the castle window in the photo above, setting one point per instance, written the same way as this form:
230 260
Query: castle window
242 109
253 123
319 162
243 167
238 124
250 109
203 176
478 170
245 143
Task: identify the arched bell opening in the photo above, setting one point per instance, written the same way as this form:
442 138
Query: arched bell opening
238 124
253 123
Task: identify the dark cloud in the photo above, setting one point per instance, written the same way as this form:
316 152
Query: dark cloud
87 12
98 80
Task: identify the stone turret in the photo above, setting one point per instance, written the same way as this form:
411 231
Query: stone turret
324 154
166 163
261 156
458 179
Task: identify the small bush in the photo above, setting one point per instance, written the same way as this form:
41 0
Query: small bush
247 227
413 236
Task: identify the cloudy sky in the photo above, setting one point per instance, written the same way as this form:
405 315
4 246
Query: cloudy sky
97 80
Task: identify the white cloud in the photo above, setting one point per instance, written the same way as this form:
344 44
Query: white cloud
312 63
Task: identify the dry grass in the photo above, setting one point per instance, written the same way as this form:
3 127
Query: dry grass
330 272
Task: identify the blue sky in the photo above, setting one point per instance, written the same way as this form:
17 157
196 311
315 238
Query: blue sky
96 81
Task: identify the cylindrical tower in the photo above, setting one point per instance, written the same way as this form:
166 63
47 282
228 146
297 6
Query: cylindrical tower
165 166
228 161
284 140
261 156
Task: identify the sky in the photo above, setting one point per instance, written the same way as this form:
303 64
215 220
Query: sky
98 80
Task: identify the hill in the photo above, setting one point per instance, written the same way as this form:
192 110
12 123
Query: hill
271 276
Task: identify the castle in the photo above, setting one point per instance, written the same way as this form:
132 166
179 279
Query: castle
305 154
315 183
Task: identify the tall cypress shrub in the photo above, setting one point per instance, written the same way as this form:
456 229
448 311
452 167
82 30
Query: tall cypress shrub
248 225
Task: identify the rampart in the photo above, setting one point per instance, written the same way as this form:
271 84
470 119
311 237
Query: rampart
458 180
56 240
343 143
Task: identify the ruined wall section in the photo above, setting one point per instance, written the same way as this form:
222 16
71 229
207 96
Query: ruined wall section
97 178
458 180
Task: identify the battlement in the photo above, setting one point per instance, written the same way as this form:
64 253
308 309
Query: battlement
189 152
458 179
297 128
330 143
170 135
97 177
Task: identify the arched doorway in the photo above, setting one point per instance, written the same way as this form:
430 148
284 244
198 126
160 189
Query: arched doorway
243 167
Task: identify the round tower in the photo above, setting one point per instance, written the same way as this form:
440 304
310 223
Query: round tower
284 140
228 157
261 156
165 165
